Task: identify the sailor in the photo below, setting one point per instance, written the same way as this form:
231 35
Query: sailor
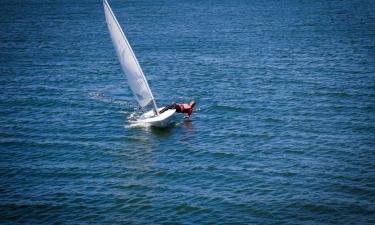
187 109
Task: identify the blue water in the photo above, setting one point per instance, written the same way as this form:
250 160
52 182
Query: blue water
283 132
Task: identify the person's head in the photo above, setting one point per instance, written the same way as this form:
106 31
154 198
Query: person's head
192 103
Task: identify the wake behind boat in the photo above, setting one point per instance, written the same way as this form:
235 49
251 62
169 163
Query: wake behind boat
134 74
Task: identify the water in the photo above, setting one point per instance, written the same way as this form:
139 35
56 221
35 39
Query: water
283 131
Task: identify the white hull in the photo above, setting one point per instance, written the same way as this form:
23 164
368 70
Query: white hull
162 120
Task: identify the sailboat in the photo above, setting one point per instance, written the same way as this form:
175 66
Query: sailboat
134 74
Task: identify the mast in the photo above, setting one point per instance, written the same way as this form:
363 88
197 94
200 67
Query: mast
155 107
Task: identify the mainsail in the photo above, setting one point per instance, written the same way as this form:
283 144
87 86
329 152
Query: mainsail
129 63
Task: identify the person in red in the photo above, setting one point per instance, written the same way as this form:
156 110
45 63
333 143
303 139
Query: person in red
187 109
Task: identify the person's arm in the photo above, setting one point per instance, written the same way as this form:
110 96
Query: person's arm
188 115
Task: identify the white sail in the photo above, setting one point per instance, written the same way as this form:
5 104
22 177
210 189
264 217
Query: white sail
129 63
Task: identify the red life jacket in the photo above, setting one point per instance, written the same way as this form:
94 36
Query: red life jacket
185 108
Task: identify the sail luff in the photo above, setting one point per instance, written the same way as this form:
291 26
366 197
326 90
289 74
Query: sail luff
129 63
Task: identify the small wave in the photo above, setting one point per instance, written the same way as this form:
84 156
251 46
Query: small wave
223 154
227 108
134 123
133 116
137 124
101 97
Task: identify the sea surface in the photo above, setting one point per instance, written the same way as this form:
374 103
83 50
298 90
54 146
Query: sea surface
283 131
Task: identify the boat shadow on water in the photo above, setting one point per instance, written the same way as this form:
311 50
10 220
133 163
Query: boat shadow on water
166 131
163 131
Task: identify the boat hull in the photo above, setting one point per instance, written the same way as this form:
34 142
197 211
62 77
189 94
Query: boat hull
162 120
